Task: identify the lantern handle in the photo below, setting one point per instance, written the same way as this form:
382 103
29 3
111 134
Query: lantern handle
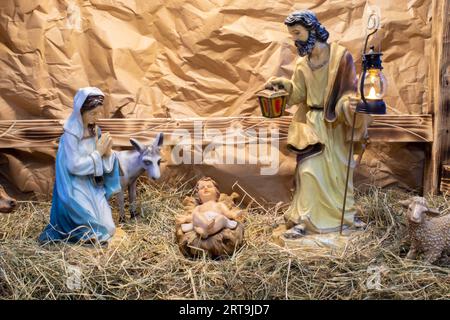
367 39
274 87
373 23
363 75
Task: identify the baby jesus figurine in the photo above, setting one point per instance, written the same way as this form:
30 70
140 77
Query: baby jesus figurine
211 222
210 216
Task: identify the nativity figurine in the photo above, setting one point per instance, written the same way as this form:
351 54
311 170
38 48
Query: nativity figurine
212 223
429 231
7 203
324 86
87 175
133 163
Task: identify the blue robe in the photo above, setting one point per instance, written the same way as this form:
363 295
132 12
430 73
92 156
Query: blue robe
80 209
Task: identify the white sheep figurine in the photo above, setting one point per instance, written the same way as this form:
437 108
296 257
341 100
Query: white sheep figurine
430 235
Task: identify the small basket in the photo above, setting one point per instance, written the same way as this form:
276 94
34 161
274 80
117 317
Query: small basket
272 102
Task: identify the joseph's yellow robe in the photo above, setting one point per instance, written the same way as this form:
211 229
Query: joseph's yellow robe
320 135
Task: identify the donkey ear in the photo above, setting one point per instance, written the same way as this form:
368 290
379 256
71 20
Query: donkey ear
405 203
434 212
137 145
159 139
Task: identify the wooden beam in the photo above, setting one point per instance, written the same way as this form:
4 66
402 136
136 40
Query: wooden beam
401 128
45 133
438 95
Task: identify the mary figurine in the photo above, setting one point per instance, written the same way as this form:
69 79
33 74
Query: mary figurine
87 175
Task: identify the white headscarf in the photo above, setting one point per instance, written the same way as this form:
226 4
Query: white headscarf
74 123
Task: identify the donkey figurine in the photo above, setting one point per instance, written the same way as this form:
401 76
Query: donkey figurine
133 163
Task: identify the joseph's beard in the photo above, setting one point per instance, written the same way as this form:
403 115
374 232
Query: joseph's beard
305 47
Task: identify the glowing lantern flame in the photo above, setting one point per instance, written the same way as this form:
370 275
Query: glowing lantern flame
372 94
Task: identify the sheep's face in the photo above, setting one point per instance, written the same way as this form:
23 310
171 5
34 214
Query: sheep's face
417 208
416 212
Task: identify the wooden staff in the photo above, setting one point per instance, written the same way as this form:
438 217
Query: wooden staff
350 154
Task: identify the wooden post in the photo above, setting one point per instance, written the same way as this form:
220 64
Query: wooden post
445 172
438 100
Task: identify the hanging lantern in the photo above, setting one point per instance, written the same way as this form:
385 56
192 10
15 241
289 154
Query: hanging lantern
373 84
272 102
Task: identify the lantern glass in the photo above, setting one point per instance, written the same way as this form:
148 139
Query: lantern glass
375 84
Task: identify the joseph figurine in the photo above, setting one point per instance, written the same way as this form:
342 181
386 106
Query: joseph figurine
324 87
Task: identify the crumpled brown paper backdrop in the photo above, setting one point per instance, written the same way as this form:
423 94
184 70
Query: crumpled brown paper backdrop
185 58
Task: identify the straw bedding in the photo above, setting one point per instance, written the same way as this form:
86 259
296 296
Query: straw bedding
144 262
